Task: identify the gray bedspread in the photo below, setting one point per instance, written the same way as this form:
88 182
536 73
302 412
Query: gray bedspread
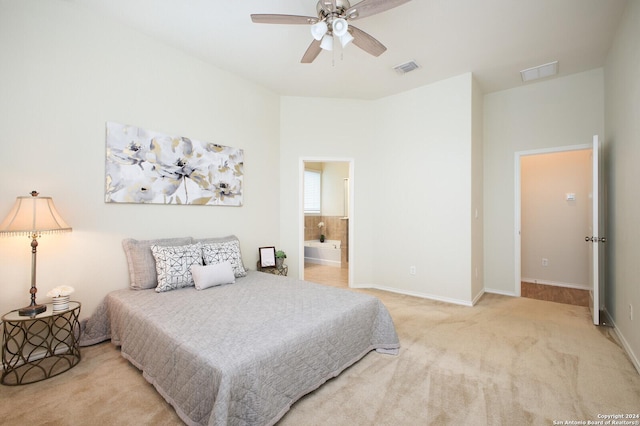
242 354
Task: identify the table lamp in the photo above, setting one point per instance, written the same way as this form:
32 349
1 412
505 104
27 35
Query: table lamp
33 216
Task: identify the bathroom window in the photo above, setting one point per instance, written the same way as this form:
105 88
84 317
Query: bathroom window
312 191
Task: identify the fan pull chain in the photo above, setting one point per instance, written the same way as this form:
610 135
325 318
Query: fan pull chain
333 58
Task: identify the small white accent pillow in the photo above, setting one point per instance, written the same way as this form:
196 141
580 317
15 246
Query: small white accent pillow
212 275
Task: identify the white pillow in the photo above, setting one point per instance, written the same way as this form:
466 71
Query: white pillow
212 275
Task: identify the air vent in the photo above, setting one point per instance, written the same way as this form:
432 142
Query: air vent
406 67
541 71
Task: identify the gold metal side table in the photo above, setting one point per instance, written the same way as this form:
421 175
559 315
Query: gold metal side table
39 347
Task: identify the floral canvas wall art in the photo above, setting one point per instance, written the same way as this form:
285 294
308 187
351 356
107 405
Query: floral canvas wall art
145 166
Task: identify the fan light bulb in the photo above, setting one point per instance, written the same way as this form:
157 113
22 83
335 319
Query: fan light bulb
339 27
327 42
319 29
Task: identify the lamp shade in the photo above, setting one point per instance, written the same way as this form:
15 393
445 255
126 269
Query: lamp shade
33 215
319 29
327 42
346 39
339 27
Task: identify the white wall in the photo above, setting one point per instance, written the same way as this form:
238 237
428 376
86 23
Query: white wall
622 148
333 175
64 74
560 112
344 140
552 227
412 167
422 197
477 191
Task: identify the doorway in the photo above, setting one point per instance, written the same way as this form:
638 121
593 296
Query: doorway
553 200
326 211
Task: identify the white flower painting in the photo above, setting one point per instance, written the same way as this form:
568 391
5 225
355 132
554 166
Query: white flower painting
144 166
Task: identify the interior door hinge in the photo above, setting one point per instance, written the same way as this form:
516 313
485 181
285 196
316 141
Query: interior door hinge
595 239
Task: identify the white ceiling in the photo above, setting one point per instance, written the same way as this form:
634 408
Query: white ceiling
494 39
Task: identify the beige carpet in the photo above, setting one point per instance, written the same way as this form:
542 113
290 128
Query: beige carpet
506 361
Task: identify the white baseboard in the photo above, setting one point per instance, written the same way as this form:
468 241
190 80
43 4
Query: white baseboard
625 345
501 292
477 298
556 283
420 295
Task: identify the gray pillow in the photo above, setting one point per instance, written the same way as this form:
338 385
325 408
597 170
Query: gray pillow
142 264
214 240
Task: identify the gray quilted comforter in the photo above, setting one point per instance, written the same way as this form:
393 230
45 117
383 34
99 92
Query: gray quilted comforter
242 354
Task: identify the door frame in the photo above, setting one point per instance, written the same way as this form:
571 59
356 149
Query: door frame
352 210
596 254
518 203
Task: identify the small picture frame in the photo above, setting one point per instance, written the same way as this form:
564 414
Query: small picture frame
267 257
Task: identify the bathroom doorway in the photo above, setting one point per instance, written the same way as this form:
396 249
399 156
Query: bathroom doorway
326 218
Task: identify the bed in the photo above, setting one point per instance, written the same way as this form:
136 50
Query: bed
242 353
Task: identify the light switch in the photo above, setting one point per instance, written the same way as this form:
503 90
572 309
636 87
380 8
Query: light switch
571 196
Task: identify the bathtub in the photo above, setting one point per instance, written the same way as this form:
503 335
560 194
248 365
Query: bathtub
327 253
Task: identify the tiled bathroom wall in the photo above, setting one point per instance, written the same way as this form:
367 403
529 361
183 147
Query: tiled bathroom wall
335 228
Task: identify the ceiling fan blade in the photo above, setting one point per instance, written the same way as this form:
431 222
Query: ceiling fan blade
283 19
371 7
312 52
366 42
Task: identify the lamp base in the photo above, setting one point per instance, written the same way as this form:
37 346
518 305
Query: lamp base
32 310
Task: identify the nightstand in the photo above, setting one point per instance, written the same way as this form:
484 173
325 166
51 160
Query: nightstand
39 347
275 270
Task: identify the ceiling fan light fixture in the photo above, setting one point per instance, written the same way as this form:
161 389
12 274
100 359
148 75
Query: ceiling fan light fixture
332 20
327 42
319 29
339 27
346 39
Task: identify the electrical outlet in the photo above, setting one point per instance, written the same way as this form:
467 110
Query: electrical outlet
545 261
630 311
412 270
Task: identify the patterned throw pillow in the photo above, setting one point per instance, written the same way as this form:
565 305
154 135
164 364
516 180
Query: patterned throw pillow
173 265
228 251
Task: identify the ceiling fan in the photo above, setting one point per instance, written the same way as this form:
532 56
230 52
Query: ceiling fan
332 22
